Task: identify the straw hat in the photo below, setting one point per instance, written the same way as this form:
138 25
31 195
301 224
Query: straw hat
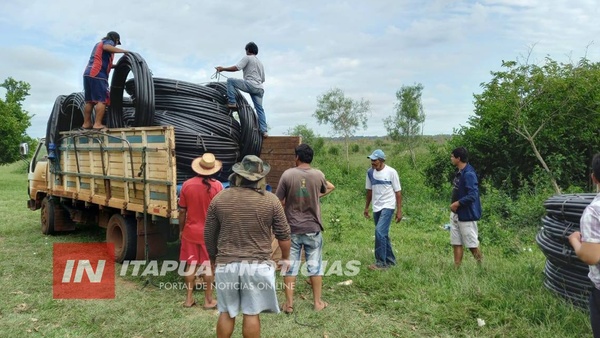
206 165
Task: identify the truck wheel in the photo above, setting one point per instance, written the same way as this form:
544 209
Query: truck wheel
47 216
122 232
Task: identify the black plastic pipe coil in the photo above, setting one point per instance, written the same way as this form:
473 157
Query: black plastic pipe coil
198 113
565 274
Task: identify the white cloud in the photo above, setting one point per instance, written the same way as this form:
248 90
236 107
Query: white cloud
368 49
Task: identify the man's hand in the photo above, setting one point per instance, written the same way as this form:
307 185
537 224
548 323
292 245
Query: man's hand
219 69
454 206
285 265
366 213
398 216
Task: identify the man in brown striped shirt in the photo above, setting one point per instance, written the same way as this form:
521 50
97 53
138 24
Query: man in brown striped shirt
239 224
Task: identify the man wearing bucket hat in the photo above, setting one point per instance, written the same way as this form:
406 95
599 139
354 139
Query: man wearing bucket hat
196 194
239 225
383 189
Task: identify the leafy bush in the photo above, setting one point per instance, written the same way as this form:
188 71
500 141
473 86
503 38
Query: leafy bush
334 150
354 148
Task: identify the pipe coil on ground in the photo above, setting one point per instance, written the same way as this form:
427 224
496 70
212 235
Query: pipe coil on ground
565 274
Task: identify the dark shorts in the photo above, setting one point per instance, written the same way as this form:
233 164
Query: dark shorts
95 90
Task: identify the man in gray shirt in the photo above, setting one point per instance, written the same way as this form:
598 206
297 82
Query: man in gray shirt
299 190
254 76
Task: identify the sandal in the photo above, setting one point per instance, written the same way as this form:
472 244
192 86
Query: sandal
288 310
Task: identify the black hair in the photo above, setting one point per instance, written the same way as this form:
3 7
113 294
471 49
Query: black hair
114 36
252 48
461 153
596 166
304 153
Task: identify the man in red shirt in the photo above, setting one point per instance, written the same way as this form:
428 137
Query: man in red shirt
194 199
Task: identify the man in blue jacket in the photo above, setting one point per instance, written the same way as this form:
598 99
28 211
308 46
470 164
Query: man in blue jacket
466 207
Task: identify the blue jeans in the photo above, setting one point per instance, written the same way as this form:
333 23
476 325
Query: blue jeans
255 93
313 253
384 255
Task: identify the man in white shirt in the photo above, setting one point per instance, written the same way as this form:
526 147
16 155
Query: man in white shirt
383 189
254 76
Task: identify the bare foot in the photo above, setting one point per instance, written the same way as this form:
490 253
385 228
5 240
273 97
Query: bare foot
86 127
287 309
210 305
100 126
320 305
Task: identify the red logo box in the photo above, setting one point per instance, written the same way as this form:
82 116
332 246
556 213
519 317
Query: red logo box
83 271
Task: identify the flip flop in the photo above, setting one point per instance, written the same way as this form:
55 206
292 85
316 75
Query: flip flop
209 307
193 304
288 310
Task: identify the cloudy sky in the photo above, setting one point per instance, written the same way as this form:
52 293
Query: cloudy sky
369 49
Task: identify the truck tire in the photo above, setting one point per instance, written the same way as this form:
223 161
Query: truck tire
47 216
122 232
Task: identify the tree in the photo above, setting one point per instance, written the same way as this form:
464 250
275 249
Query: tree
14 121
406 124
536 118
307 134
344 114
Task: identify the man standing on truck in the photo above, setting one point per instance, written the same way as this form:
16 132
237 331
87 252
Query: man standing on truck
254 76
194 198
95 79
239 225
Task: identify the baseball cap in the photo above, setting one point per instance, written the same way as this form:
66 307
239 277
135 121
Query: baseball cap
377 154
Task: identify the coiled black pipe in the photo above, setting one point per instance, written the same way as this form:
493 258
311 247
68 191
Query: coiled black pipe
144 92
198 113
566 274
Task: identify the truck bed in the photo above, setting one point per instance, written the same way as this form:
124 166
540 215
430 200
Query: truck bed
123 168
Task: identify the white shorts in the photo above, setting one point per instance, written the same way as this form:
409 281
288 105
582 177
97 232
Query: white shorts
463 233
246 287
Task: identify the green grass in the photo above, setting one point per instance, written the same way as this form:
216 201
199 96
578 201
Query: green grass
424 296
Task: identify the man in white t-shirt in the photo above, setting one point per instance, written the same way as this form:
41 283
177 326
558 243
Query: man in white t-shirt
586 244
383 189
254 76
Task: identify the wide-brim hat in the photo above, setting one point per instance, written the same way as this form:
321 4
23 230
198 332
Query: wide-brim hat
251 168
206 165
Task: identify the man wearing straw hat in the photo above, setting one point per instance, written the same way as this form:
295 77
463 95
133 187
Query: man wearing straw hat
239 225
196 194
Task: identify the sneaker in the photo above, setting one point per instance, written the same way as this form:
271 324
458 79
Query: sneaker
264 134
377 267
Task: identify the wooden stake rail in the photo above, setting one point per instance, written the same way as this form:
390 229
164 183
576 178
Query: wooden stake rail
108 168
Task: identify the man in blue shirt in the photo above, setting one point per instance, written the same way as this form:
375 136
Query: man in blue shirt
466 207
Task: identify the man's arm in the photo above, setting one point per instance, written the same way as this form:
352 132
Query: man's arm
227 69
329 187
114 49
368 202
398 206
181 218
472 189
212 228
589 253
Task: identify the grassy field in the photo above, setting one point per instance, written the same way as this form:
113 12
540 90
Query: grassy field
424 296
